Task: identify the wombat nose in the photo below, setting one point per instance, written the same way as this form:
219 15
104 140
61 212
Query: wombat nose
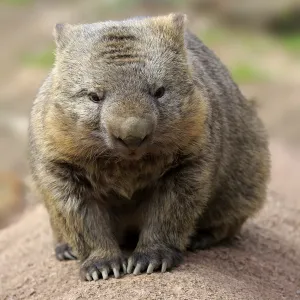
132 132
132 142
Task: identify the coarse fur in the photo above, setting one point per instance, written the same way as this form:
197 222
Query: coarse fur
198 166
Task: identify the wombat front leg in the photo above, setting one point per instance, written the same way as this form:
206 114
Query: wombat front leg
169 216
86 227
63 250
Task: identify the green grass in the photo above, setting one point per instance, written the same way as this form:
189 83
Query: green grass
246 39
251 40
291 43
16 2
245 73
121 4
213 36
43 59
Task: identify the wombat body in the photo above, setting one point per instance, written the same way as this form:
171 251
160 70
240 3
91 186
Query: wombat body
140 128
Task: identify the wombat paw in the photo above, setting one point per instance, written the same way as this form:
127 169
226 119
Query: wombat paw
151 259
96 268
201 241
64 252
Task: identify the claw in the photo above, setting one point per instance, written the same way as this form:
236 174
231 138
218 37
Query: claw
130 265
88 277
124 268
68 255
116 272
104 274
95 276
60 257
164 266
137 269
150 268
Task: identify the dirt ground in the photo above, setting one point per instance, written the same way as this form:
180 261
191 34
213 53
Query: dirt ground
264 263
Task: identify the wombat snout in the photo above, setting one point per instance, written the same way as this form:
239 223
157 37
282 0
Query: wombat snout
132 142
131 133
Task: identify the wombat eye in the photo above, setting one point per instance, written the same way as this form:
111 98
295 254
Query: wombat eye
159 92
95 97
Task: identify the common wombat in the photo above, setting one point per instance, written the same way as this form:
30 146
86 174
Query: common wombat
140 127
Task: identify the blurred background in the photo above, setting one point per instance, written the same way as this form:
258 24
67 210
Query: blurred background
258 40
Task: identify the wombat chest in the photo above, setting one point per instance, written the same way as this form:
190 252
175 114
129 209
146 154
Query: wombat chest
126 177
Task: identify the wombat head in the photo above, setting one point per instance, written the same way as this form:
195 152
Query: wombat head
126 87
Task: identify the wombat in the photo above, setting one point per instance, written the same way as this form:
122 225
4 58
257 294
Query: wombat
140 128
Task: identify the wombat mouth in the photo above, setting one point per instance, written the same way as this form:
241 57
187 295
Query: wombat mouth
133 155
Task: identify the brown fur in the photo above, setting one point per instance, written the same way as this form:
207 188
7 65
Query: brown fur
201 168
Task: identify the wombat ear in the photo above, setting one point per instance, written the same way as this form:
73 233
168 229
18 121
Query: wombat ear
62 32
172 26
179 20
